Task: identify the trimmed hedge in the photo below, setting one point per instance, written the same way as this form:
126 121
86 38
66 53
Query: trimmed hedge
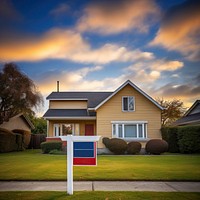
115 145
133 147
185 139
170 134
26 137
7 141
52 145
189 139
156 146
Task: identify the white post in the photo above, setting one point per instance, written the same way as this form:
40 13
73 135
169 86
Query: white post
70 150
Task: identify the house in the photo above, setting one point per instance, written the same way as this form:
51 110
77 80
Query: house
191 117
127 113
19 121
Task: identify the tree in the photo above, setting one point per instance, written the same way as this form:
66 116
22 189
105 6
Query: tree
18 93
173 110
40 125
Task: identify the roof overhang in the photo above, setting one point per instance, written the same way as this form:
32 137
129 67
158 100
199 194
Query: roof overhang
69 118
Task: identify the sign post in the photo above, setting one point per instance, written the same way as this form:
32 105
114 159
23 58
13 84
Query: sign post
81 151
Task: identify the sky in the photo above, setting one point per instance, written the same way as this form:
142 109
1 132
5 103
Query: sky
93 45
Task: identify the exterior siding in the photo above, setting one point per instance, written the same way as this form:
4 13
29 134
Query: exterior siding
53 104
81 125
145 110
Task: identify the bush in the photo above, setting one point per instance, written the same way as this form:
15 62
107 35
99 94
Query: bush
26 137
189 139
106 141
133 147
156 146
117 146
7 141
57 152
19 142
170 134
52 145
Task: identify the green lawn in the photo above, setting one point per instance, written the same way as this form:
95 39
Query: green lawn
32 165
99 196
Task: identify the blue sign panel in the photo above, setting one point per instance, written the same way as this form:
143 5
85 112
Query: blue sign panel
84 150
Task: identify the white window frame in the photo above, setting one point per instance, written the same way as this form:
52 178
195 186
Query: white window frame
128 104
57 129
115 132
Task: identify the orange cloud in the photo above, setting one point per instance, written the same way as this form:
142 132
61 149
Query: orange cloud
66 44
180 29
108 17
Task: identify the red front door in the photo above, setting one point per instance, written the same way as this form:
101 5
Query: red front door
89 129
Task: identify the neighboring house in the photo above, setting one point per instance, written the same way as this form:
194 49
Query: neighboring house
19 121
127 113
191 117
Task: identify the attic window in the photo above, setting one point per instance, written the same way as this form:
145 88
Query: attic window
128 104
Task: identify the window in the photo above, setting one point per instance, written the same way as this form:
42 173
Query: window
66 129
128 104
129 129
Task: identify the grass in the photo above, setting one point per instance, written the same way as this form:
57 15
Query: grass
32 165
99 196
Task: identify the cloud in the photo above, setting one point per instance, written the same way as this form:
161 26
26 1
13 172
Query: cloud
180 30
60 10
111 17
67 45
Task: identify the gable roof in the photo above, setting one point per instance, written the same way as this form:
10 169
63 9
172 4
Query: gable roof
192 108
128 82
192 116
93 98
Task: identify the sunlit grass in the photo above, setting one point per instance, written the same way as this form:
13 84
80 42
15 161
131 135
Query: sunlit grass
32 165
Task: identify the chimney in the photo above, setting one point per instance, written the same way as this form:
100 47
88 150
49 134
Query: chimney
58 85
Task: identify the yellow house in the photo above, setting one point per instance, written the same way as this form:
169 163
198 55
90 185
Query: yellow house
127 113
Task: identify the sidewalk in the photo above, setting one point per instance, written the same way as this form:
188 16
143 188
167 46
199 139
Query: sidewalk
101 186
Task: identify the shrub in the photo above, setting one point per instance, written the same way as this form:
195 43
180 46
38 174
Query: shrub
170 134
189 139
133 147
19 142
117 146
7 141
57 152
106 141
52 145
26 137
156 146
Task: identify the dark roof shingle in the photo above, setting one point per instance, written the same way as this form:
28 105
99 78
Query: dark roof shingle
69 113
94 98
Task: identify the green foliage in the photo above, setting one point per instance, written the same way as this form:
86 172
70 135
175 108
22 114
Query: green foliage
52 145
57 152
156 146
40 125
116 145
189 139
170 134
133 147
7 141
